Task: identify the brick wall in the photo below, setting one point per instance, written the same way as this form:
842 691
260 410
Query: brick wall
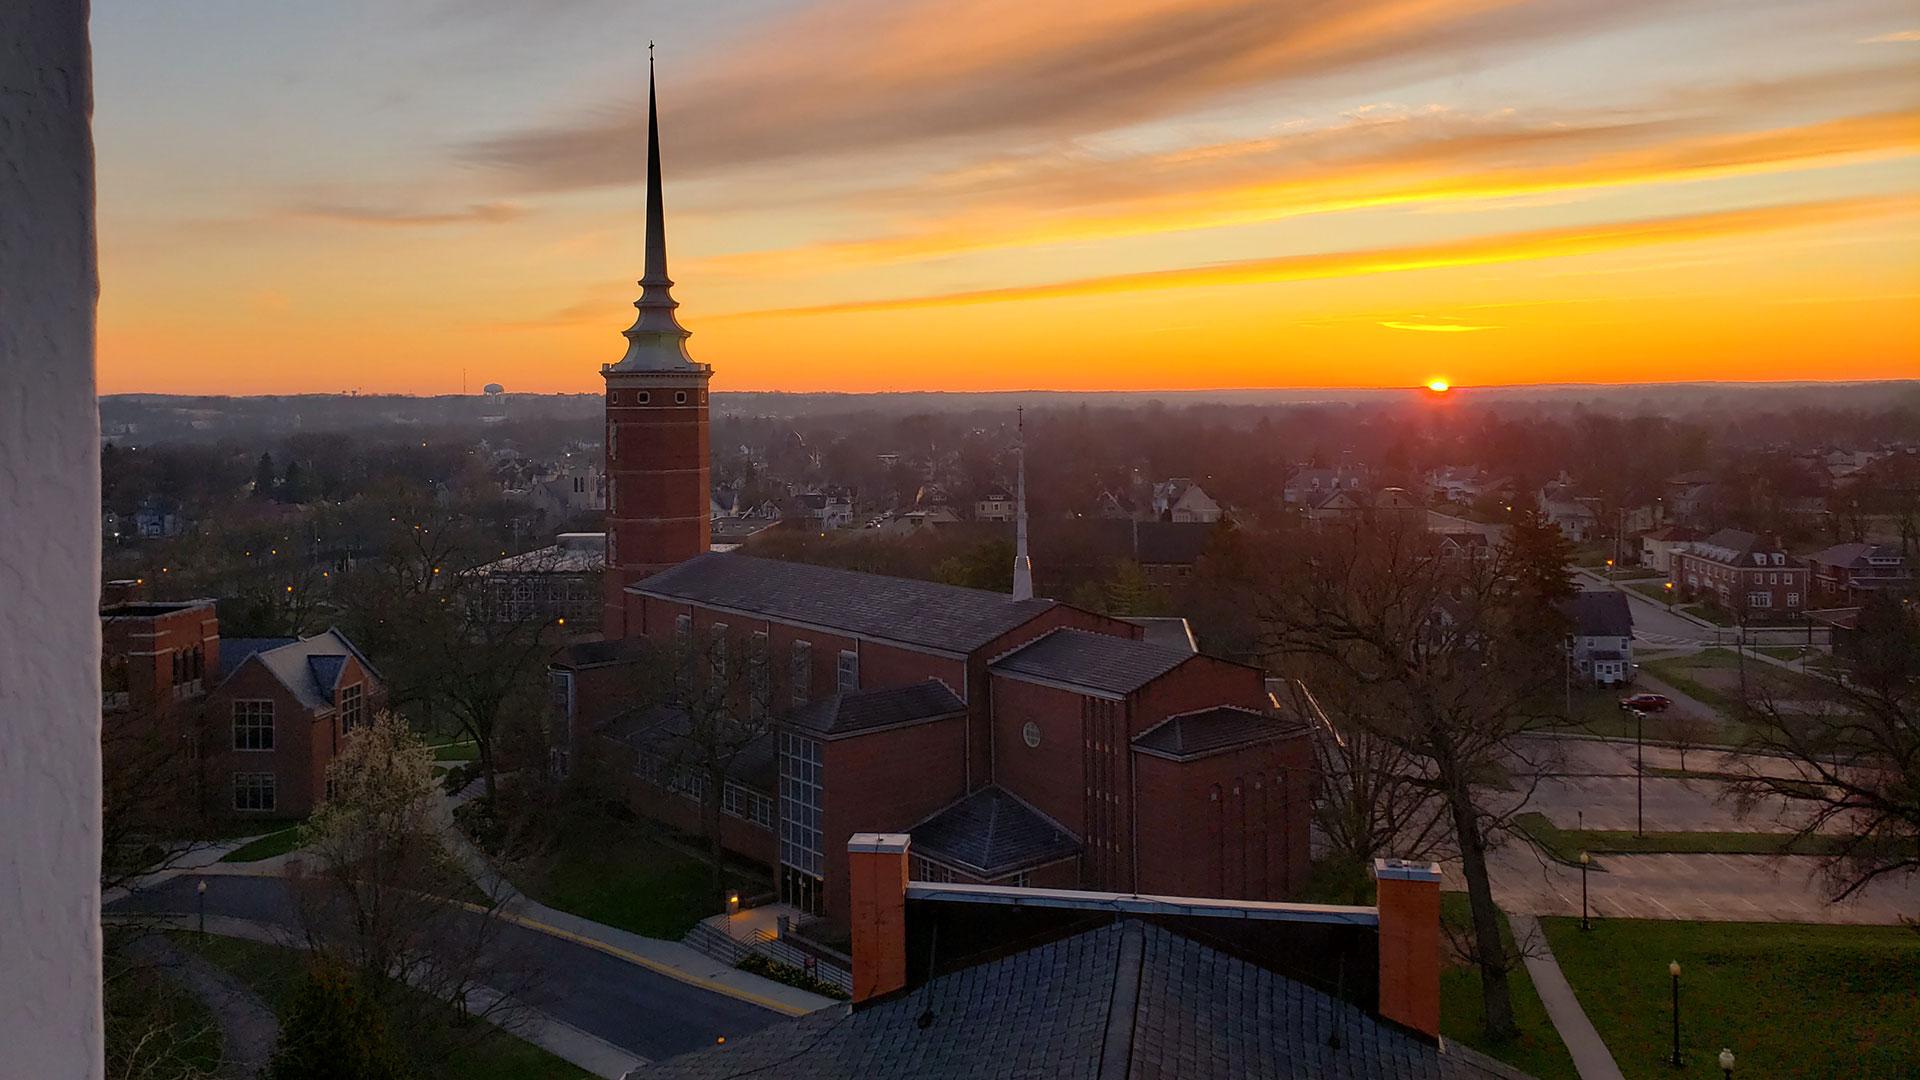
1233 824
884 781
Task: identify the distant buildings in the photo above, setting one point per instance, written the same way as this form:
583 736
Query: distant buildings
1311 486
1182 500
996 504
560 582
1848 573
1740 573
1657 547
1602 651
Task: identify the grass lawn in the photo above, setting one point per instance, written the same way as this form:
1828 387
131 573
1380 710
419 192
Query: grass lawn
633 880
1655 590
274 973
1566 845
1679 671
266 847
1538 1049
458 750
1788 1000
183 1038
1598 712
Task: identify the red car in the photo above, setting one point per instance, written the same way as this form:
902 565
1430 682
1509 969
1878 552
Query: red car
1646 702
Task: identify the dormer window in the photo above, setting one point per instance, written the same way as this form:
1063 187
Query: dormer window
1779 558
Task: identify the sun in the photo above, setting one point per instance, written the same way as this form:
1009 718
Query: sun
1438 386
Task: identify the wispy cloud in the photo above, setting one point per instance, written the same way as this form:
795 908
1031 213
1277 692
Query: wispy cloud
890 73
1897 35
488 213
1510 247
1436 328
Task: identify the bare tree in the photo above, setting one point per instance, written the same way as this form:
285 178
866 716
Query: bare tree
1455 658
1853 751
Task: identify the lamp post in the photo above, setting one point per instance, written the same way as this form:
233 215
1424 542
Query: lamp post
1726 1063
1586 861
1673 972
1669 596
201 891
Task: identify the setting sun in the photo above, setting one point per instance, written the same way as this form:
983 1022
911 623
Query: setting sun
1438 386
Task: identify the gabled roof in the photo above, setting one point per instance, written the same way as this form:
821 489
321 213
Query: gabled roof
1843 554
1737 541
1601 613
308 667
1098 662
1166 631
851 712
1210 731
923 613
1126 1001
992 833
235 650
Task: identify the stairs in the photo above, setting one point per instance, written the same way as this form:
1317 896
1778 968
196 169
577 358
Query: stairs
711 940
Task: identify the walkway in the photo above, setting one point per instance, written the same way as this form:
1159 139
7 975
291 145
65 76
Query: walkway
1591 1058
248 1028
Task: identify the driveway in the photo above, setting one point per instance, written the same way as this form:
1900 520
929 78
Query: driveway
650 1015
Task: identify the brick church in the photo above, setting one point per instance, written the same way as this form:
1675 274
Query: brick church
1019 740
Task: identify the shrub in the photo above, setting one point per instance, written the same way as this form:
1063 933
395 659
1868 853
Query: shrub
334 1030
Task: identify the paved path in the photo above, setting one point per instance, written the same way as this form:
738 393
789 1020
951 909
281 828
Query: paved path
248 1028
635 1008
1591 1058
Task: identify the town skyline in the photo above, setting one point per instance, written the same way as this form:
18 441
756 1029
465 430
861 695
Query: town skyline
1218 197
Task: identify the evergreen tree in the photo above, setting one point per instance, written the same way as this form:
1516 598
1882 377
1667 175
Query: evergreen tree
335 1030
265 479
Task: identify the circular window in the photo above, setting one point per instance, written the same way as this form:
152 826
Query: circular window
680 397
1031 733
641 397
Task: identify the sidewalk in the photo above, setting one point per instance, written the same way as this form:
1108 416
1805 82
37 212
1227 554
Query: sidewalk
1591 1058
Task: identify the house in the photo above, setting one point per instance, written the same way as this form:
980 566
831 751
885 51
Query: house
1337 505
952 983
1657 547
995 504
1456 483
1310 486
573 488
157 520
826 509
1847 573
1573 517
1602 648
1397 502
558 583
1180 499
1741 573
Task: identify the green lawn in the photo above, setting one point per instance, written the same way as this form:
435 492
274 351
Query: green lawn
457 751
1679 671
1538 1049
266 847
181 1036
633 880
1598 712
1788 1000
1655 590
1565 845
489 1054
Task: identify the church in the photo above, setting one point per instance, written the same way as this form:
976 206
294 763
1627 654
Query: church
1018 740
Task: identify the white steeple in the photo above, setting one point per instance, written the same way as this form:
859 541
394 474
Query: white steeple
1022 566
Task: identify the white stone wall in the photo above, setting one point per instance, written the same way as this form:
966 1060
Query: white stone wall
50 1021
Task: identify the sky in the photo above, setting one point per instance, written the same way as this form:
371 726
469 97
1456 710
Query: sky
429 196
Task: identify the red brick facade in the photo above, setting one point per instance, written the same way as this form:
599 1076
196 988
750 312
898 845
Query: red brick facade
305 739
658 478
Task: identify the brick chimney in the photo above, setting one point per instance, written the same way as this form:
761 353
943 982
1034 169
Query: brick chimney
119 591
1409 942
877 876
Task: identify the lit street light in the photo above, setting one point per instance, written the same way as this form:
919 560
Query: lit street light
1673 972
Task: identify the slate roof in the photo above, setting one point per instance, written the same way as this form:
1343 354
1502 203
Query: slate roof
1601 613
992 833
235 650
923 613
1197 734
1099 662
850 712
1738 541
308 667
1167 631
1126 1000
583 654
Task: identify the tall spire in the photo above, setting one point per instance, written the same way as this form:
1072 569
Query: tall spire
1022 566
656 341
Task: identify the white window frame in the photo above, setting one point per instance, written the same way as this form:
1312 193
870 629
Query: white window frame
1760 599
353 707
846 672
1793 599
251 706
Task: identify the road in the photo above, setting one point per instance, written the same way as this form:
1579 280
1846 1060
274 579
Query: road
645 1013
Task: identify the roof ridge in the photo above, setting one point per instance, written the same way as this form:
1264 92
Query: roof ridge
1123 1008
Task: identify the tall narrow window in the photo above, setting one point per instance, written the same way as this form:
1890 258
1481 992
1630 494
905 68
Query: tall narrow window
801 672
253 725
759 675
849 671
352 707
717 651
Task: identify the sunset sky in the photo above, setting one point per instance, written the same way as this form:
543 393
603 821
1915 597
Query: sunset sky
1003 194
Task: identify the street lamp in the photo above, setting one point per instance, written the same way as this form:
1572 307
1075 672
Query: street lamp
1586 861
1669 596
202 891
1673 972
1726 1063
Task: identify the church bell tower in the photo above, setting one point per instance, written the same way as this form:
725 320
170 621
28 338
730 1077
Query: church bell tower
658 466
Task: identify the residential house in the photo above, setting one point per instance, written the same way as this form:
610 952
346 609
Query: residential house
1657 546
1456 483
826 509
1846 574
1741 573
995 504
1311 486
1602 646
1573 516
1180 499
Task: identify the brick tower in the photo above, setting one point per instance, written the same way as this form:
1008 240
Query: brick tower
658 495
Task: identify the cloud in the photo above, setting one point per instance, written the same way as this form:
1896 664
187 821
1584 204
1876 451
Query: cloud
883 74
1509 247
1897 35
488 213
1436 328
574 314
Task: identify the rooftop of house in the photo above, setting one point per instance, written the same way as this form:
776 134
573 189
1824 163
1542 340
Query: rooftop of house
947 618
1211 731
850 712
992 833
1601 613
1129 999
1098 662
1858 555
308 667
1167 631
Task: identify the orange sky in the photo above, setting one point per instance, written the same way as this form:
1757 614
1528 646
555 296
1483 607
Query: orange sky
984 194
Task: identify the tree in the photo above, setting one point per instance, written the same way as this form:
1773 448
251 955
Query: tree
1853 752
335 1030
1452 660
265 478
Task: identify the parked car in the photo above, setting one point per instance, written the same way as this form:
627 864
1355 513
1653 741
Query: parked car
1646 702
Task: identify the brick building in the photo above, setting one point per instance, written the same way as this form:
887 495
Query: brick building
1740 572
1849 573
1018 740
